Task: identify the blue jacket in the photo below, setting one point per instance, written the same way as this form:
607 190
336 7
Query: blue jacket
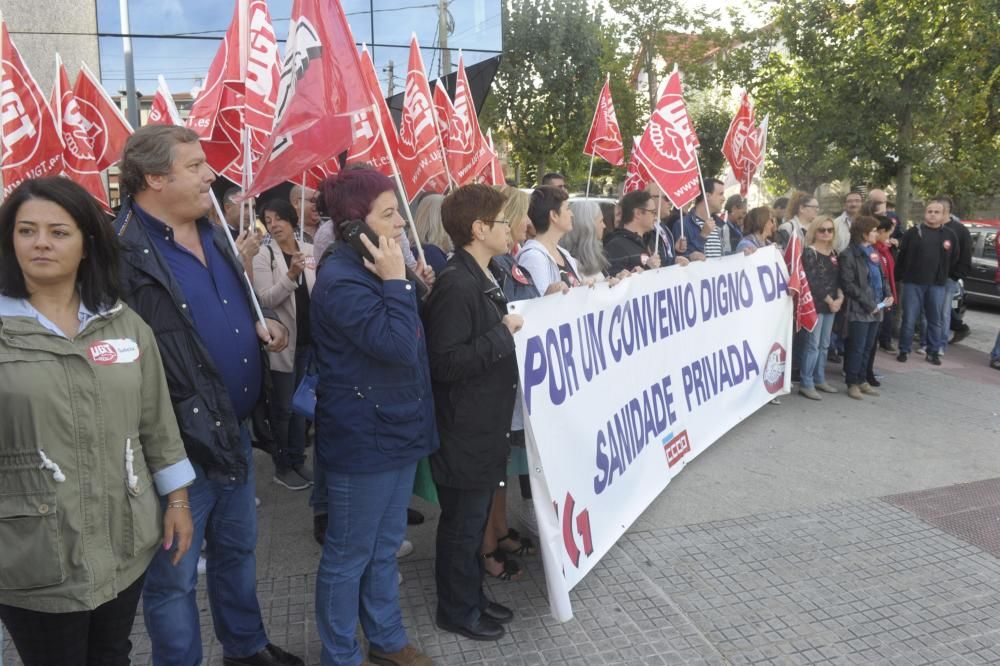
695 241
374 406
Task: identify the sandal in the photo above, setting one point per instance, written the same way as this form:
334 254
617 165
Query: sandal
511 569
526 547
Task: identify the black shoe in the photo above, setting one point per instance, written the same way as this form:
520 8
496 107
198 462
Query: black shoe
833 357
320 521
483 630
874 382
271 655
901 357
498 612
960 334
934 359
414 517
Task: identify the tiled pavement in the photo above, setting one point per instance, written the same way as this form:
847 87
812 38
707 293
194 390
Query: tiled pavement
863 582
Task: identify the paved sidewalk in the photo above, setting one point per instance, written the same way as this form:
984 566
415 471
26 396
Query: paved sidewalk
834 532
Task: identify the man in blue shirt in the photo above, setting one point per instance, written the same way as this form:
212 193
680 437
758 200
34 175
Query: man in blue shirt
180 275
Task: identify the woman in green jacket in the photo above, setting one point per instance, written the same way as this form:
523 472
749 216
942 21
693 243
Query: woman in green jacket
88 438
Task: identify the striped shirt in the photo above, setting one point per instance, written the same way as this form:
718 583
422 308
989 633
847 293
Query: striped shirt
713 243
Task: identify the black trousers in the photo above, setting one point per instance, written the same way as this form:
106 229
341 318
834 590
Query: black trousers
459 567
85 638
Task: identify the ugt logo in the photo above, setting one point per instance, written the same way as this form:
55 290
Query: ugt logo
582 528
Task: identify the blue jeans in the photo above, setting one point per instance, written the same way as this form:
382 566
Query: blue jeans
814 358
318 497
994 355
357 572
950 291
289 428
226 516
925 298
860 345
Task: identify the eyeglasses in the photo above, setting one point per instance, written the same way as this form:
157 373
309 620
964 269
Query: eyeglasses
507 222
825 230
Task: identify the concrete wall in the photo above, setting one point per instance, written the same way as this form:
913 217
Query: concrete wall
46 17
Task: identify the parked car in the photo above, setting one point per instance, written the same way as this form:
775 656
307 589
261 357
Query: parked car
980 284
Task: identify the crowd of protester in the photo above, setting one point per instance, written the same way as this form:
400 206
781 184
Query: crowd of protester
137 375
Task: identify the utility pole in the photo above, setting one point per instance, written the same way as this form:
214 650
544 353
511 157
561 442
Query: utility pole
130 96
390 69
445 69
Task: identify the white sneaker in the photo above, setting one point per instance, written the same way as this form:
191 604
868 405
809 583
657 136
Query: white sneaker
400 578
405 549
202 565
256 502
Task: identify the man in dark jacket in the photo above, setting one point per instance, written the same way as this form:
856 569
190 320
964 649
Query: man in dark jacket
470 345
927 255
180 275
626 247
951 320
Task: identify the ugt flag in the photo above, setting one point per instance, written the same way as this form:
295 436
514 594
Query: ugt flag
374 134
163 111
798 285
733 146
31 145
467 151
636 176
321 87
667 147
78 156
106 126
605 138
421 161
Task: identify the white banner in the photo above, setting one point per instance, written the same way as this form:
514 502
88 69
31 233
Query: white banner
623 386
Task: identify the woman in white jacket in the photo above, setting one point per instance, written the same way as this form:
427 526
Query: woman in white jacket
284 271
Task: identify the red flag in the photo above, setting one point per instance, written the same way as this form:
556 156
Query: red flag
421 162
368 146
108 128
493 173
31 146
667 147
322 86
227 106
752 155
467 154
163 111
636 176
605 138
444 110
735 146
320 172
798 285
78 156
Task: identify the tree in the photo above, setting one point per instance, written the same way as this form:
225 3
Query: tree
880 90
544 94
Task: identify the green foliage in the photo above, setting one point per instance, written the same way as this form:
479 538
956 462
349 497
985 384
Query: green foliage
880 90
544 95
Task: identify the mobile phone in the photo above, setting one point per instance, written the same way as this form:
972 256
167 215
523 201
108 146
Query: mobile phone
350 233
880 306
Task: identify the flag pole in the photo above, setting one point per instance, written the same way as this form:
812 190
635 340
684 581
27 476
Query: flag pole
399 182
236 253
590 172
659 204
302 206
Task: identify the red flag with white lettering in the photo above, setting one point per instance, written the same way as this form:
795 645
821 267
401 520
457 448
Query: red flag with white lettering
493 173
320 172
467 153
740 129
667 147
107 127
421 162
31 146
368 147
163 111
605 138
322 86
798 285
636 176
752 154
226 106
78 156
444 110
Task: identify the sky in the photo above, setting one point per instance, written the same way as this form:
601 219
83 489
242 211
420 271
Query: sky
184 62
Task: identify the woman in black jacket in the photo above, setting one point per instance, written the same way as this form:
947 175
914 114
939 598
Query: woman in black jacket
474 373
867 290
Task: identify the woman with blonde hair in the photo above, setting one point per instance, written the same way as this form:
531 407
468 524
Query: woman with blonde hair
819 260
437 244
801 211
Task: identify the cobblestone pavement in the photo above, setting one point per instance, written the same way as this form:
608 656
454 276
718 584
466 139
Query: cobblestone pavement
910 577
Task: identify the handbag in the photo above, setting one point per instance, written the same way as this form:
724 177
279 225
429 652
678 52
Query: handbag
304 398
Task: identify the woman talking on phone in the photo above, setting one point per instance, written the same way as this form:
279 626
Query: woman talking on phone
374 417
